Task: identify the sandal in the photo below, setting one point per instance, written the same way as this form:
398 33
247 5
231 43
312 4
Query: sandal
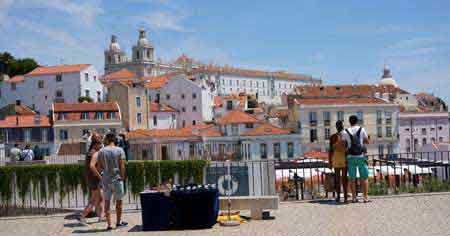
121 224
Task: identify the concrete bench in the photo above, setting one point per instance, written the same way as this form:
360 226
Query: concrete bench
256 204
26 163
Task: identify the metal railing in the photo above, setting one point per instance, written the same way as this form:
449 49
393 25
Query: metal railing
289 179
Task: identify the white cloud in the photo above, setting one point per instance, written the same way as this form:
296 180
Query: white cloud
163 20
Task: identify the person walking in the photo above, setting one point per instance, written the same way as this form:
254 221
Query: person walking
15 153
123 143
356 138
338 160
111 161
93 182
27 153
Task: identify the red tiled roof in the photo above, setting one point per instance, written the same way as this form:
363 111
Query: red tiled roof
48 70
328 101
85 107
218 102
121 74
193 131
252 73
317 155
157 82
267 129
23 110
158 107
16 79
237 117
362 90
71 149
26 121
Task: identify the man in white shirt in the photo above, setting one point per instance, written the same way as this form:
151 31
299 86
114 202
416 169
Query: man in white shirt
356 138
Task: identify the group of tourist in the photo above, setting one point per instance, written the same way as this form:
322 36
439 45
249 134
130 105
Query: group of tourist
347 155
105 174
25 154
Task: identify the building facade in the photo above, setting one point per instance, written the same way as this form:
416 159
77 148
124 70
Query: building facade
419 129
48 84
315 120
73 122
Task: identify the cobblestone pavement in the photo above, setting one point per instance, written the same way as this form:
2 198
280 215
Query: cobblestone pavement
427 214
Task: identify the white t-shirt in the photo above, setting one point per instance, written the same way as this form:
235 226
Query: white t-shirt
353 130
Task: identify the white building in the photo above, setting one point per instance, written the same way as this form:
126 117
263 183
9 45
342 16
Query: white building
162 116
419 129
48 84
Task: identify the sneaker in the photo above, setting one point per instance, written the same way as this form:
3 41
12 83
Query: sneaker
121 224
82 221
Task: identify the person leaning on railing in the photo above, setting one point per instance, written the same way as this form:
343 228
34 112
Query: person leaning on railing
357 139
337 160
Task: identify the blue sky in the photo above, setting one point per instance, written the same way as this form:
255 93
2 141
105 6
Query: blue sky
340 42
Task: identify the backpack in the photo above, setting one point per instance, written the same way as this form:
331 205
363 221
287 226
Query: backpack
356 147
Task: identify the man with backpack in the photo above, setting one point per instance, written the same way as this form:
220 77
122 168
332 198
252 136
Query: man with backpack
356 137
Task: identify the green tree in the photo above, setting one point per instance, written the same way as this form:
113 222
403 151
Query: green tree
17 66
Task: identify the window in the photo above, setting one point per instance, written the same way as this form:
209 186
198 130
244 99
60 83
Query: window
138 101
381 149
40 84
167 96
379 118
234 130
139 118
84 115
95 78
440 128
388 131
58 78
249 125
327 133
433 140
379 132
62 116
155 121
137 55
424 141
184 123
194 95
326 118
194 108
313 118
87 93
416 144
111 115
312 135
407 129
408 145
263 150
431 129
59 93
63 134
290 147
424 131
229 105
390 148
194 122
360 116
85 132
13 86
340 115
99 115
441 139
99 96
182 96
276 150
388 116
183 109
86 77
157 97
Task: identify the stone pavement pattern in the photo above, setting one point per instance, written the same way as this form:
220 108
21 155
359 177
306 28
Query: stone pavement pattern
417 215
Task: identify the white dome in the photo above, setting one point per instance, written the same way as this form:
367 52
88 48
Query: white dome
114 45
142 41
387 79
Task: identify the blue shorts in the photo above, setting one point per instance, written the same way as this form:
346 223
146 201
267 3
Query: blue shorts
360 163
115 189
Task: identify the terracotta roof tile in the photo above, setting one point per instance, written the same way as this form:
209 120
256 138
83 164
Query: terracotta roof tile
48 70
193 131
16 79
157 82
267 129
218 102
26 121
328 101
316 155
158 107
85 107
71 149
119 75
362 90
237 117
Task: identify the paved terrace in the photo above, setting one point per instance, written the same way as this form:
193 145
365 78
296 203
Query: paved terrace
427 214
